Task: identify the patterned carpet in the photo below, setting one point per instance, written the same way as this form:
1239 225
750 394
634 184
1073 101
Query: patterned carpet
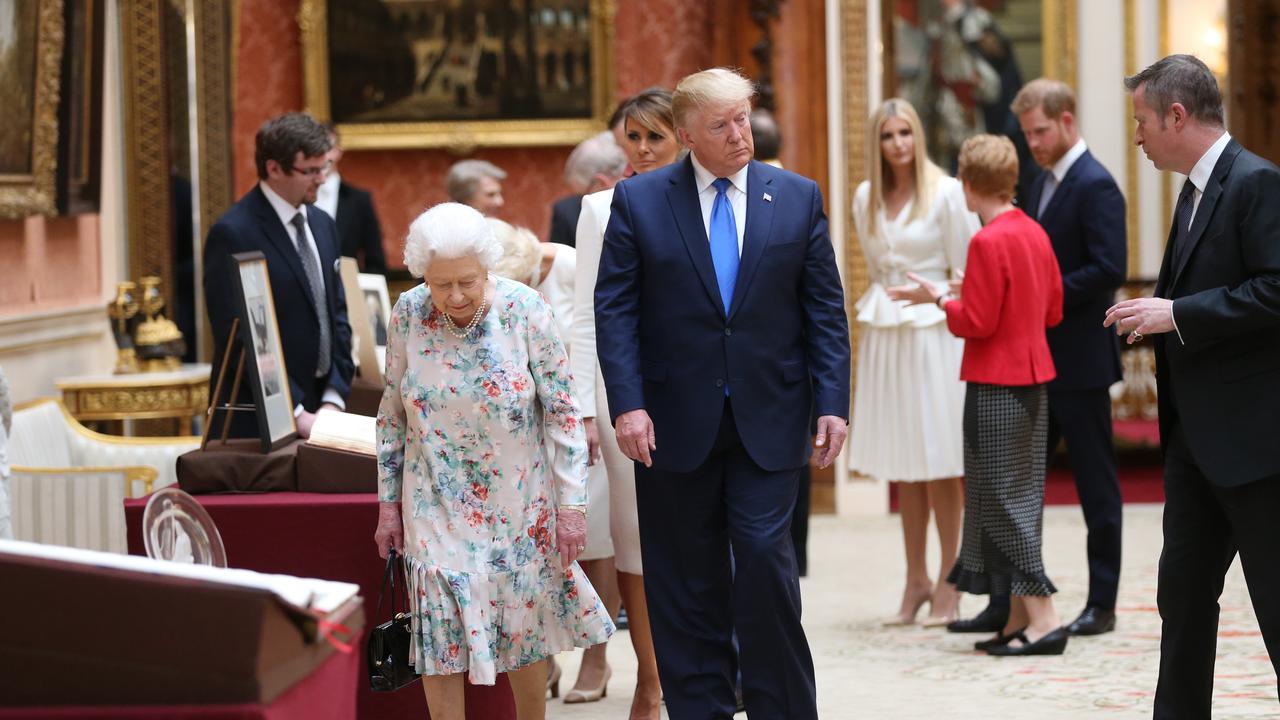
866 670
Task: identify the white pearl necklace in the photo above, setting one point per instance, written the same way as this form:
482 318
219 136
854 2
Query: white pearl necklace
463 332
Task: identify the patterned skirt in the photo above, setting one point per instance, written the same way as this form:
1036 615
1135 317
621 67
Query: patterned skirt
1005 432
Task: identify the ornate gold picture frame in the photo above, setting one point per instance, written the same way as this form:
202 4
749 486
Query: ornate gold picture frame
30 70
960 62
490 73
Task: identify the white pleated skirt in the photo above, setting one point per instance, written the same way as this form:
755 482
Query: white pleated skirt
908 404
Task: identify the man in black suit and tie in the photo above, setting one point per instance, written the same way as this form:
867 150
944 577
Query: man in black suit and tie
301 248
1215 323
1080 206
351 208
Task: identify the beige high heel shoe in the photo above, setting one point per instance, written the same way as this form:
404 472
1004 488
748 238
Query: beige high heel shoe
575 695
553 678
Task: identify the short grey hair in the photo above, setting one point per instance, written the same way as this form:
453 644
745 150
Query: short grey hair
716 87
450 230
1182 79
597 155
463 177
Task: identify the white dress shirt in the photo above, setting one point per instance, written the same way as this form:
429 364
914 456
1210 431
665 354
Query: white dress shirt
1199 177
285 211
327 195
1203 170
737 195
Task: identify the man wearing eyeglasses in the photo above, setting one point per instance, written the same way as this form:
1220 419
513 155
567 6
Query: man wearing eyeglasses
301 246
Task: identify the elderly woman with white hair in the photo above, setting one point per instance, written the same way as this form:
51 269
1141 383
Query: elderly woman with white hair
490 518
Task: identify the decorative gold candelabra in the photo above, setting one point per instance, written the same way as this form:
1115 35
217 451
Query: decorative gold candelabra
121 310
150 344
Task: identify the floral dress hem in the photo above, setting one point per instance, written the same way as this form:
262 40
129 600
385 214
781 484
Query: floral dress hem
462 618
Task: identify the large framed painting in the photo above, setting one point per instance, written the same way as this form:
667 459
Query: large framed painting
263 352
31 39
961 62
461 75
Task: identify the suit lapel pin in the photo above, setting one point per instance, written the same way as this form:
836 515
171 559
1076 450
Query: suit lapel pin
768 197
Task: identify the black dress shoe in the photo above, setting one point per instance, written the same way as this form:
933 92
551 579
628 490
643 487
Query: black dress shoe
998 640
1053 643
1093 621
990 620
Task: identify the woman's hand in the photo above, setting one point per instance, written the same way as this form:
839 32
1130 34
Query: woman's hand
390 532
593 441
919 294
571 534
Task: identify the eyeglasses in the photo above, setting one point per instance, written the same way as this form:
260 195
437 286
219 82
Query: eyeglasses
312 171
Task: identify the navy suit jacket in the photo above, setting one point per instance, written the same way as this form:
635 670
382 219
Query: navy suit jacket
1223 384
252 224
1085 221
666 345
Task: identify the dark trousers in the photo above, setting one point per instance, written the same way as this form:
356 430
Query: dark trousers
1083 419
1205 525
690 523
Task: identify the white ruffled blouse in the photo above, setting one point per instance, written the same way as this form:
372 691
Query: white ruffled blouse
933 246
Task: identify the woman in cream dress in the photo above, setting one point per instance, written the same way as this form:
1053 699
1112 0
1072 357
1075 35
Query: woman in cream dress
908 399
649 139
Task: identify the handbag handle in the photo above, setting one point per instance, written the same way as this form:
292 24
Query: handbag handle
393 569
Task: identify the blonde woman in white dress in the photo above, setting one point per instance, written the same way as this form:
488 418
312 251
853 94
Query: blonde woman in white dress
649 140
908 399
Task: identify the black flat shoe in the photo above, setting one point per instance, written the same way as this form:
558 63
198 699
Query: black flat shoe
999 640
990 620
1053 643
1093 621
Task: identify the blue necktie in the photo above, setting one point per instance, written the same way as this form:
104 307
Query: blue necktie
724 242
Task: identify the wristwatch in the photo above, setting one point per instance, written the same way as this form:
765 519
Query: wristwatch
943 299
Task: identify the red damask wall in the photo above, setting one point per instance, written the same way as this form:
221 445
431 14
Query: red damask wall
656 43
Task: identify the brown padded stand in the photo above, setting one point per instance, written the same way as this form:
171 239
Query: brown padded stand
238 466
329 470
80 635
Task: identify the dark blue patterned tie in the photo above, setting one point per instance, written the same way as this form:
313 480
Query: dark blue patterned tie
315 282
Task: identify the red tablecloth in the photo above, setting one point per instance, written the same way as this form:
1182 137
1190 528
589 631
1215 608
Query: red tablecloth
326 694
328 536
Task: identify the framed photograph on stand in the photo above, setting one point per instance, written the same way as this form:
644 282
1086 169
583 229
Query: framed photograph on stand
373 289
264 357
362 346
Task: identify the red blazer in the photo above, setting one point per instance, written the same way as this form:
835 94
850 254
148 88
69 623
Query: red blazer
1012 291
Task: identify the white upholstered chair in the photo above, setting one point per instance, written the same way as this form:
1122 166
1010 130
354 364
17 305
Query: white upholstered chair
68 483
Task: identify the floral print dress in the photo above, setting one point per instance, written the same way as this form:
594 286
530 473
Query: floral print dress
463 435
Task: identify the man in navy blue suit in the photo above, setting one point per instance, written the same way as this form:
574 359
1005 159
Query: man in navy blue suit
301 247
1080 206
721 333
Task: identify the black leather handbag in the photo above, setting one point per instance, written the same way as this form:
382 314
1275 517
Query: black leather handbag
388 647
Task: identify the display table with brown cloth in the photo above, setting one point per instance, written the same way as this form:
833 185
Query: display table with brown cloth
153 644
328 536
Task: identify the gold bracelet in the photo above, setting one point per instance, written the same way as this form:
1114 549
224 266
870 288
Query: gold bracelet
576 508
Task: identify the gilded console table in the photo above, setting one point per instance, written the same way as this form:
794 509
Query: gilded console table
180 395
